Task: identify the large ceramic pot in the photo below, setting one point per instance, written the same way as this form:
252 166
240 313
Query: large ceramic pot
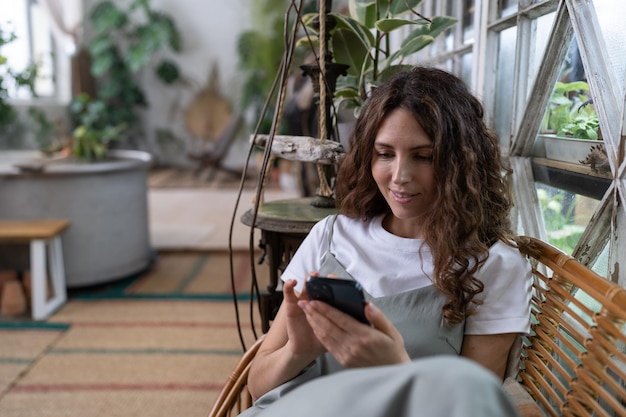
106 203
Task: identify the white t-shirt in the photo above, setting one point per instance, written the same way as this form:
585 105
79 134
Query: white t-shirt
386 264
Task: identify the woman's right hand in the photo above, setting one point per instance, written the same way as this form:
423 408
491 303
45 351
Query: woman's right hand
289 346
301 338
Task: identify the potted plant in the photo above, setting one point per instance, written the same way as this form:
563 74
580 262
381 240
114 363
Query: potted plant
124 42
364 40
101 190
570 126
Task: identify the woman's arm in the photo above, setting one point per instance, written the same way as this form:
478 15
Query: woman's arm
491 351
289 347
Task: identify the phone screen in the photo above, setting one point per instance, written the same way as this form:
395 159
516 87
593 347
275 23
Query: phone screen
343 294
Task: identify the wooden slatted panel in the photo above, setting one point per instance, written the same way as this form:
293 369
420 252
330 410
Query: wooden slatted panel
574 362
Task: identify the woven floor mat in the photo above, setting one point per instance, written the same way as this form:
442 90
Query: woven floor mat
200 273
102 370
159 344
123 358
151 312
151 338
113 403
19 349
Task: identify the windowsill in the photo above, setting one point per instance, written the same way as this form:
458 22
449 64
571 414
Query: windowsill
576 178
567 166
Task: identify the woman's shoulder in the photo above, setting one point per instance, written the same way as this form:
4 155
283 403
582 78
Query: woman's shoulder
505 256
505 249
342 221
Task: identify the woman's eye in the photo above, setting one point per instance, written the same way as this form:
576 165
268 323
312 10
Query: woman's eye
384 155
425 158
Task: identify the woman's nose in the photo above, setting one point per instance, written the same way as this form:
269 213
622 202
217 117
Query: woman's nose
401 171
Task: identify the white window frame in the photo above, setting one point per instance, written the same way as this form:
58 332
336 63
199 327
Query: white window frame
529 101
61 67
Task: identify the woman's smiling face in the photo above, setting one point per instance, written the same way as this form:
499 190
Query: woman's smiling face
402 168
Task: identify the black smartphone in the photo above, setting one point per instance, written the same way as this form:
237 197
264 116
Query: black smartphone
343 294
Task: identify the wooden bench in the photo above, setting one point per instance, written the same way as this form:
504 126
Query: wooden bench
573 362
46 253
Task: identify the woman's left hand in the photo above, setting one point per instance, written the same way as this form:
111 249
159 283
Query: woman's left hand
353 343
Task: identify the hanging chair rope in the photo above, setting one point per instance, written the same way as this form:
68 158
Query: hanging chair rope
325 190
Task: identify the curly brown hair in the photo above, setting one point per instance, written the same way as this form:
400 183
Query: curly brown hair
473 199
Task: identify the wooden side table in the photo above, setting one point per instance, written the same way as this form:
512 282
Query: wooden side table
44 237
284 224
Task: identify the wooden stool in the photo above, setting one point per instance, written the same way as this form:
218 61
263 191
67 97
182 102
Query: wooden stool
42 235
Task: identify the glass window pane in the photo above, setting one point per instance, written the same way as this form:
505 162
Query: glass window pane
570 113
29 47
449 36
15 21
601 265
544 26
565 215
504 84
468 21
42 52
466 68
612 18
507 7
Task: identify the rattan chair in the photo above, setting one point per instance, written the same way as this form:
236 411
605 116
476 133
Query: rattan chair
572 363
234 396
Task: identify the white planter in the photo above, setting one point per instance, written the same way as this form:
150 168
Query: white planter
567 149
106 203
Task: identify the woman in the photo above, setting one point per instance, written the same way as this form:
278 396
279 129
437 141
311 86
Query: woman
424 227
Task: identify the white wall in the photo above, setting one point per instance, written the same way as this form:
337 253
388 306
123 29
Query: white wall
209 30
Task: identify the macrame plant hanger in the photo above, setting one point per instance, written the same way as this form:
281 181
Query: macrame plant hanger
324 74
323 151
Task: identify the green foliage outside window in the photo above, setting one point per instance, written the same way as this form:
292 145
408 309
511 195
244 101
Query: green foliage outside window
558 208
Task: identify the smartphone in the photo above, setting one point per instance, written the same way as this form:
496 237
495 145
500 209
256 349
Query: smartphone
343 294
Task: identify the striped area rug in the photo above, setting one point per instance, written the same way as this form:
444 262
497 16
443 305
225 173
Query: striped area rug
200 275
161 344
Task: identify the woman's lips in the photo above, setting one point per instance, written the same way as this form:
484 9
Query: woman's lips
401 197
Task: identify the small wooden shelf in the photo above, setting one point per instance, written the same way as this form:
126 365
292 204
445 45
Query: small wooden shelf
576 178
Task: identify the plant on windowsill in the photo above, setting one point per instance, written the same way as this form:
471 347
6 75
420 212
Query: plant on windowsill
124 42
571 113
570 125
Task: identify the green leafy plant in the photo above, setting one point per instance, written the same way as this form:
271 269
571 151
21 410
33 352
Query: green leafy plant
14 126
44 130
570 112
20 79
124 42
557 207
260 50
363 40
